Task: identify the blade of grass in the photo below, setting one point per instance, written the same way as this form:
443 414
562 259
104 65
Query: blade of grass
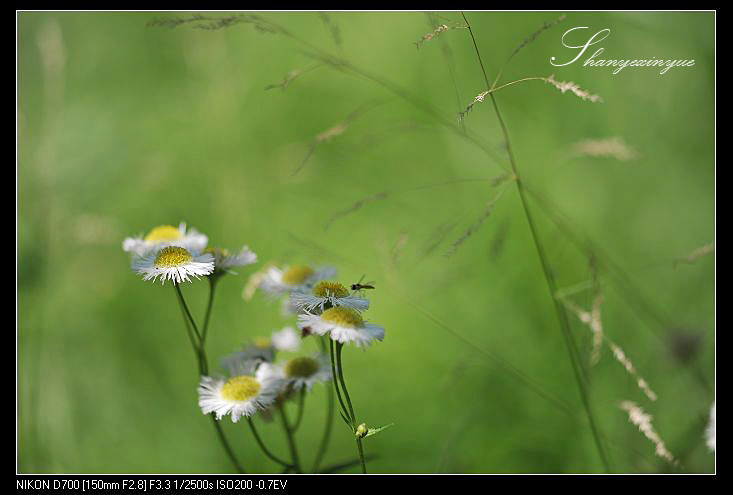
549 277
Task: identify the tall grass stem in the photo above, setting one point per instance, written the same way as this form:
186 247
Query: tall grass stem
549 278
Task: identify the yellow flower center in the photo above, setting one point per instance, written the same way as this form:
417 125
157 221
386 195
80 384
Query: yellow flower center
172 256
325 289
301 367
163 233
345 317
297 274
261 342
240 388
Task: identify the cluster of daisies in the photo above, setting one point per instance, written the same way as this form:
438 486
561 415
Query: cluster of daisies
179 254
323 306
254 381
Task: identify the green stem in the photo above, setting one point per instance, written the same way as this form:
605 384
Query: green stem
212 287
559 309
329 417
301 407
360 448
203 370
340 346
198 347
344 465
187 312
335 383
291 439
623 284
264 449
225 444
495 89
189 331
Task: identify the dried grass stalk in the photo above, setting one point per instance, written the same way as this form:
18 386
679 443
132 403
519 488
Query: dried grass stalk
593 320
334 131
613 147
643 421
475 225
210 23
618 353
477 99
290 77
529 39
561 85
442 28
332 27
697 253
398 246
356 206
564 86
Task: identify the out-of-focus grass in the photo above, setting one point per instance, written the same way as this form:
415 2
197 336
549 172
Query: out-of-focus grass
122 127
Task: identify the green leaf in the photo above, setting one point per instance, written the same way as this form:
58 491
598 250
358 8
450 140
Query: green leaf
348 423
374 431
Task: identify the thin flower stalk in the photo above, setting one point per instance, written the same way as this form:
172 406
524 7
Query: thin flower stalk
269 454
340 346
290 433
329 417
203 369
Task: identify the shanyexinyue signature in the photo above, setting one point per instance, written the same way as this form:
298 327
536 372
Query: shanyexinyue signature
619 64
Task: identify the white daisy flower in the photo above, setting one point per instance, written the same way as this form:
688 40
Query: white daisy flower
243 363
240 395
288 309
261 349
344 325
174 263
295 277
286 339
326 292
303 372
166 235
710 430
224 260
253 282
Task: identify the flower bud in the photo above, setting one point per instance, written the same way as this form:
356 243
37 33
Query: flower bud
361 430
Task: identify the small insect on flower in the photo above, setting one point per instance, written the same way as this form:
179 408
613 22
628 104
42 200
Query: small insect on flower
326 293
296 277
359 286
343 325
166 235
240 395
174 263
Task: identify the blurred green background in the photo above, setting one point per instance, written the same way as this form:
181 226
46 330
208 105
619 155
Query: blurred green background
123 126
